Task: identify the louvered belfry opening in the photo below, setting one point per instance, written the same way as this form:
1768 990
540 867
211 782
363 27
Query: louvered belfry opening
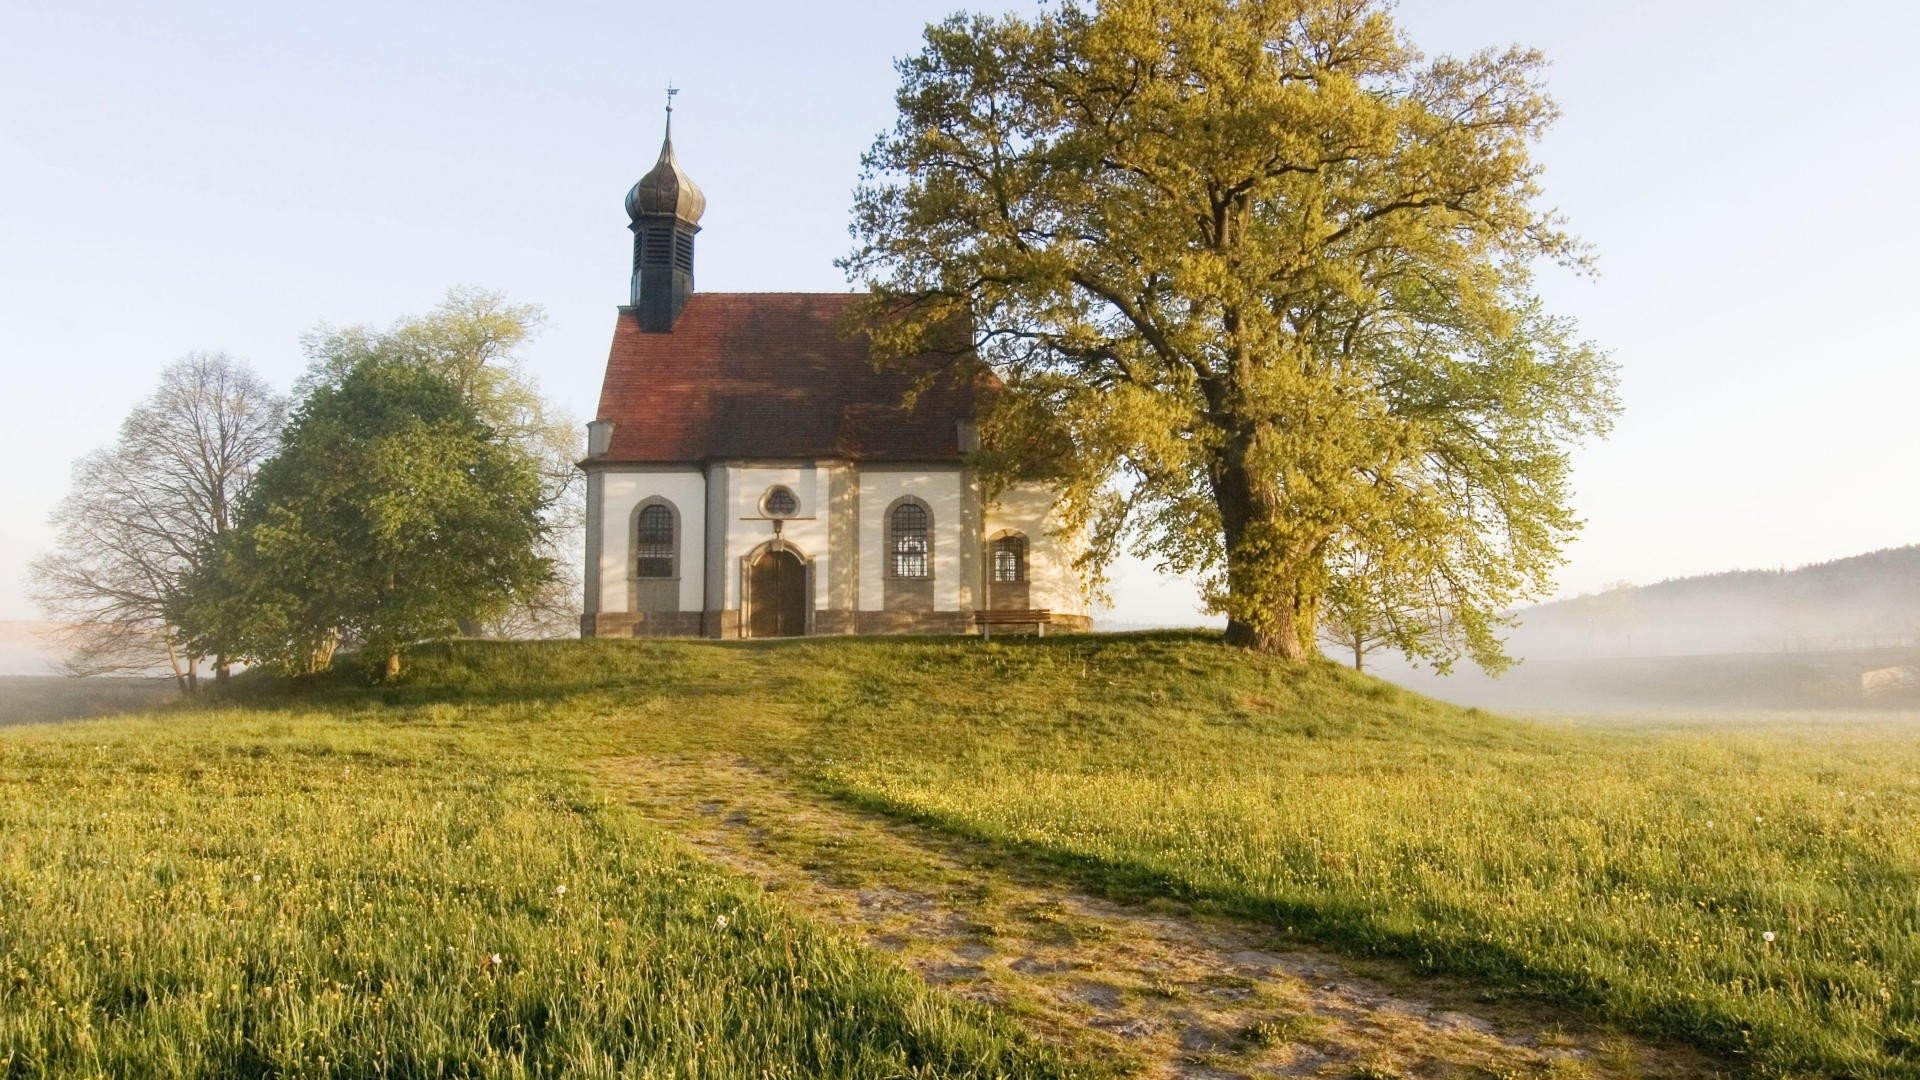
662 273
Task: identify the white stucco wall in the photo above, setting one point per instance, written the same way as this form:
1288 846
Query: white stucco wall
620 494
1029 509
806 531
733 506
941 490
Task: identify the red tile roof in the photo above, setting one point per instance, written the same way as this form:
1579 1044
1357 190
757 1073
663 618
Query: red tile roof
770 375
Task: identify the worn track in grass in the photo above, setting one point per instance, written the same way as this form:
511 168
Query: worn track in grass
1156 990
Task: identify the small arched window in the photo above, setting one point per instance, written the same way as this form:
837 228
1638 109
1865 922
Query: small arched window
654 544
909 543
1010 559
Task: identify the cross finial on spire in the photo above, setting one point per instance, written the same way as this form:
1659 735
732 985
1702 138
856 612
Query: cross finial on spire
671 90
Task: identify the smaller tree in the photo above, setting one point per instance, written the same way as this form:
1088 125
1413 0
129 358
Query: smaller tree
1399 599
1362 613
473 339
390 513
1355 622
142 513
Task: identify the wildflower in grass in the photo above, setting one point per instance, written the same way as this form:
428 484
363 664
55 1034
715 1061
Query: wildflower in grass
559 890
720 923
1767 936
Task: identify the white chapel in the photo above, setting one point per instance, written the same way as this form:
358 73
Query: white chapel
751 474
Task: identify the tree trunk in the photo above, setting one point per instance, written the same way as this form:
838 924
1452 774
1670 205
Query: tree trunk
193 674
321 658
1359 655
393 665
1269 609
222 670
173 660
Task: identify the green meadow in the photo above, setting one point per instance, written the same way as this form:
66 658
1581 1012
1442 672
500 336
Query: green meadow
334 879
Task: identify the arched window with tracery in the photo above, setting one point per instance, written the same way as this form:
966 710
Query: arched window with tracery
1010 559
908 542
653 542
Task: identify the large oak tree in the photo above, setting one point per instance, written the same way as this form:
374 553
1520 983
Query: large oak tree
1256 275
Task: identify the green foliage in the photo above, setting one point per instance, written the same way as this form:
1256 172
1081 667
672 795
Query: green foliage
472 339
1373 602
390 513
1264 271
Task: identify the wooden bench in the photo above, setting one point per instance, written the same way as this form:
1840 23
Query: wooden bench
987 619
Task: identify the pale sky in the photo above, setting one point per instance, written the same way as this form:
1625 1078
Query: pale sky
226 176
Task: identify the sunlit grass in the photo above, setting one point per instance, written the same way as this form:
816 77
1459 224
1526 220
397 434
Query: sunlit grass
377 894
405 835
1755 891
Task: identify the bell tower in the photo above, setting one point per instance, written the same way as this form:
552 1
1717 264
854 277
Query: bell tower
664 208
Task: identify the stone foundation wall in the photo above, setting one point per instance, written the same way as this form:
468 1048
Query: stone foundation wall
619 624
830 623
912 622
615 624
726 624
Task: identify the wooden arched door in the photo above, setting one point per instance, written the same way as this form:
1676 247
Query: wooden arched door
777 595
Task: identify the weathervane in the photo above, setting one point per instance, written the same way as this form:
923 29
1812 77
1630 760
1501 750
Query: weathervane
671 90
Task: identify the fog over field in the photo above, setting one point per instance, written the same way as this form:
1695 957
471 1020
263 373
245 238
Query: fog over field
25 650
1840 634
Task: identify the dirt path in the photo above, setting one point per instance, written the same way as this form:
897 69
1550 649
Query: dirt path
1158 991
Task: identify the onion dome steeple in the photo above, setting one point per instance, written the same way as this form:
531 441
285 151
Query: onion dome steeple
665 208
667 189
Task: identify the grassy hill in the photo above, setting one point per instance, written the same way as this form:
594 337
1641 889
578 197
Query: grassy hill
349 880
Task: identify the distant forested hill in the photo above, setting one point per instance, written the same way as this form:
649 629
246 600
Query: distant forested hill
1864 601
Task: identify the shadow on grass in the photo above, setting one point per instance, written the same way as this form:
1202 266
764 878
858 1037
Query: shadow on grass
1500 972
